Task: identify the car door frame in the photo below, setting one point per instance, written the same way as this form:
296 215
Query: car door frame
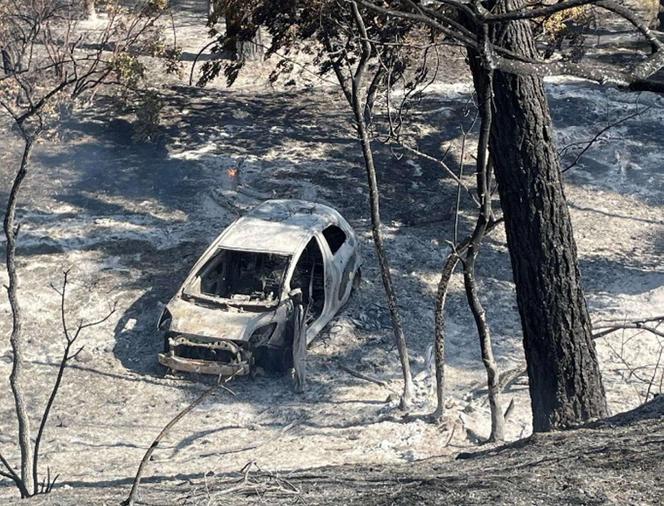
326 313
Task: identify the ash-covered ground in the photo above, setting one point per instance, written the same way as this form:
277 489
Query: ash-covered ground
130 220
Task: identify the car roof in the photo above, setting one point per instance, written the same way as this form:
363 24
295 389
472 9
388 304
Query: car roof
279 226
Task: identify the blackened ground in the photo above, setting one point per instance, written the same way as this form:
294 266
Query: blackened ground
614 461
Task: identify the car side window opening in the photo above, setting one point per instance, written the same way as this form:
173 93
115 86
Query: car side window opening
309 276
244 275
335 238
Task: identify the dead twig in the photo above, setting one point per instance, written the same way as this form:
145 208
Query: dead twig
598 135
130 501
256 481
605 330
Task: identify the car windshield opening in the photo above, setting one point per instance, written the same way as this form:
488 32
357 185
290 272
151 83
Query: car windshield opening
243 275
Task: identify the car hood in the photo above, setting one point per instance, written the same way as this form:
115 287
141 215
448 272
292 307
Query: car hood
215 322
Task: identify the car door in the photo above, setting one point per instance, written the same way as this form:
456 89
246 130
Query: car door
341 251
311 274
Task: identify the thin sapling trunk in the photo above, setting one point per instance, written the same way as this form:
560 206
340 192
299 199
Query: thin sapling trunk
483 82
16 339
359 110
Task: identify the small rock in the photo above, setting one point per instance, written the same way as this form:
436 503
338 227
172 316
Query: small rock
84 357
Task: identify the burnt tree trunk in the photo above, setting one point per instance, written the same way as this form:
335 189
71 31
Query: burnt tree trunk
90 10
352 87
564 376
483 84
243 38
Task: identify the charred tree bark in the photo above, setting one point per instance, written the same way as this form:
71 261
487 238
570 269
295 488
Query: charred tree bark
439 317
565 381
16 339
243 38
486 348
90 10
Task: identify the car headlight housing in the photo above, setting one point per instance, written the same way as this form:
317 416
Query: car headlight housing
165 320
262 335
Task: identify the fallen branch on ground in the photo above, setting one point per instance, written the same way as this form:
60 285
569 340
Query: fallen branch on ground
364 377
255 481
640 324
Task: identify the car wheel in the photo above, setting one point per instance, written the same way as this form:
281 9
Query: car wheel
274 360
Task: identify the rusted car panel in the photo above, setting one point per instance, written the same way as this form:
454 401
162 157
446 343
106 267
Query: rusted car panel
234 310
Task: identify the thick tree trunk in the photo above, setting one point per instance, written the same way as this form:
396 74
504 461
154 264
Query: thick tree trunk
16 339
90 10
565 381
239 44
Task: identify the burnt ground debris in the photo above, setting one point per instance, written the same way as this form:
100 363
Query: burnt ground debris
133 219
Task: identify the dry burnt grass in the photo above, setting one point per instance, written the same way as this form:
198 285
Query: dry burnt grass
613 461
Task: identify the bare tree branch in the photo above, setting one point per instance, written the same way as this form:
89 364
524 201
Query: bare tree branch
599 134
130 501
66 357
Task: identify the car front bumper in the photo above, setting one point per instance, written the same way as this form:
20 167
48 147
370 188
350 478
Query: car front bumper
238 365
203 366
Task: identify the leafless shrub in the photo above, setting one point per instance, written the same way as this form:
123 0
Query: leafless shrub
71 336
50 62
253 481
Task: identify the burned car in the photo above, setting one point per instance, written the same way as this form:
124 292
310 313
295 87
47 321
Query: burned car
235 309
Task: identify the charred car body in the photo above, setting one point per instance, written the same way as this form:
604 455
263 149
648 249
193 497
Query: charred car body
235 309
